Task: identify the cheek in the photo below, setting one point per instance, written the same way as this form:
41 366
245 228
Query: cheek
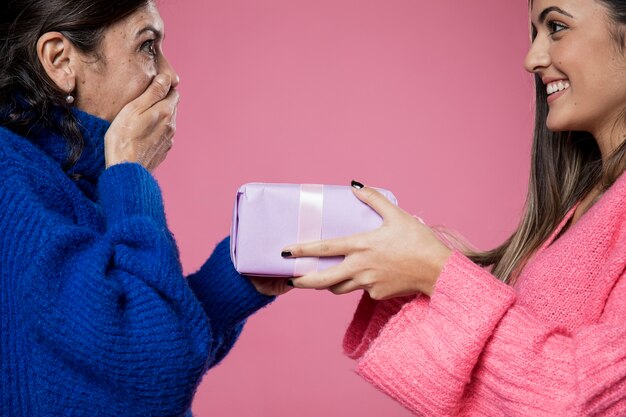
565 57
139 80
130 84
135 88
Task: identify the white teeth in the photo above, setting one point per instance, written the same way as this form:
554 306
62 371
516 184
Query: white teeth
553 87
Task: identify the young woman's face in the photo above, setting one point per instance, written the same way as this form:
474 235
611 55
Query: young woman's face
580 64
129 57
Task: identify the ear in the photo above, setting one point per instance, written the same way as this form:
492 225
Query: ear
58 57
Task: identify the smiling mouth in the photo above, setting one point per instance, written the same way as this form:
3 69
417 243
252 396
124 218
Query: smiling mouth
556 86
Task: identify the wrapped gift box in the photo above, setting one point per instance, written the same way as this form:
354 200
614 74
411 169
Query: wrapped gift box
269 217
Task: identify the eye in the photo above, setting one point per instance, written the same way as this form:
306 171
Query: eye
555 26
149 47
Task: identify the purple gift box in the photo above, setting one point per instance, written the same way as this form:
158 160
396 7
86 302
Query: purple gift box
268 217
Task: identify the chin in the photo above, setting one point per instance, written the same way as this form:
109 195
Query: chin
555 125
556 129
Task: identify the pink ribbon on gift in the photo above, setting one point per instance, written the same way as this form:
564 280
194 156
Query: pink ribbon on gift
309 224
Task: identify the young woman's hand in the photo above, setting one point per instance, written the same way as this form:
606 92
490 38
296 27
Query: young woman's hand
402 257
143 130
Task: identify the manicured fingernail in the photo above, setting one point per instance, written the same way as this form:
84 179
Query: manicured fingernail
357 185
286 254
290 283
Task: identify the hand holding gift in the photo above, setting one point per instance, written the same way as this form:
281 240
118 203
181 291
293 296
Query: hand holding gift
401 257
268 217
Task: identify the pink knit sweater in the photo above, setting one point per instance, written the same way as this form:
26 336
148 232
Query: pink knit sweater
554 344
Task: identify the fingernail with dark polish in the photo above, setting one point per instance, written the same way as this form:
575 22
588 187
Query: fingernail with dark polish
357 185
290 283
286 254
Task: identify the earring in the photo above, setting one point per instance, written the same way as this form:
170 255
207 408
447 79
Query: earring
69 99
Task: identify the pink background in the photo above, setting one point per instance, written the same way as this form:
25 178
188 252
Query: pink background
426 98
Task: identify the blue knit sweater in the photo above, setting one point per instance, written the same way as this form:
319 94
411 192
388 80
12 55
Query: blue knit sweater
96 317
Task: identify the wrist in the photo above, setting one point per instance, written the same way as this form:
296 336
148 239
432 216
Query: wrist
438 259
116 152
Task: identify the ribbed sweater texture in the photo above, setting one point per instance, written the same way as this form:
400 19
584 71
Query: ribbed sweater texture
553 344
96 316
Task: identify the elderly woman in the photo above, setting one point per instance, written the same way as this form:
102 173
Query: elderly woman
97 318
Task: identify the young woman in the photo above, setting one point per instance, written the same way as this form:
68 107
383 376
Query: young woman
96 317
535 327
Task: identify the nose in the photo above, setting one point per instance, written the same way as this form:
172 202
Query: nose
166 68
538 56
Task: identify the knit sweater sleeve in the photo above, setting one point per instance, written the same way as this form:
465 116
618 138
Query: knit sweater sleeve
113 303
472 350
227 297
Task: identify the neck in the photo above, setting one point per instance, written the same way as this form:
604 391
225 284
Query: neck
609 137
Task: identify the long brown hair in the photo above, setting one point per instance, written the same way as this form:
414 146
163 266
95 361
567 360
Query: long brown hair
565 166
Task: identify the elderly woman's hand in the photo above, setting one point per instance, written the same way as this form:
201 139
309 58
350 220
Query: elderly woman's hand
402 257
143 131
269 285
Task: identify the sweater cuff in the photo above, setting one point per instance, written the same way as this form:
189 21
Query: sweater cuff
468 297
128 189
433 344
370 317
228 298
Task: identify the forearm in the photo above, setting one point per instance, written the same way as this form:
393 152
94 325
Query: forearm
474 349
227 297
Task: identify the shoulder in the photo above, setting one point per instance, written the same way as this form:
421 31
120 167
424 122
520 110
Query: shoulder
8 141
613 203
606 220
28 173
24 158
15 149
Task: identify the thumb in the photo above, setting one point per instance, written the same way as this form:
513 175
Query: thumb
373 198
156 91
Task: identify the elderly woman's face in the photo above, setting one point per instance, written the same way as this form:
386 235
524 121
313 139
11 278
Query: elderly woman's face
130 56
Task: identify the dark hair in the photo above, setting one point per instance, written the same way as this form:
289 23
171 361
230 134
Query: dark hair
565 166
617 11
27 95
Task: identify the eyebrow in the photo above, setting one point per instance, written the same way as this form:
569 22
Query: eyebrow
548 10
152 29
